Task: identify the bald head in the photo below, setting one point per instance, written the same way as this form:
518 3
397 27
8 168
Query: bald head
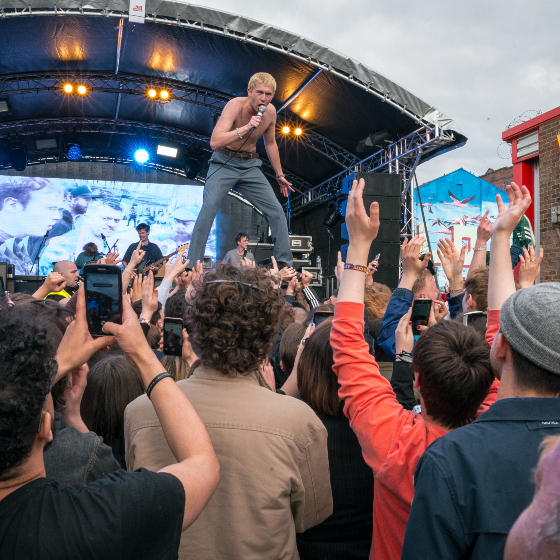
69 270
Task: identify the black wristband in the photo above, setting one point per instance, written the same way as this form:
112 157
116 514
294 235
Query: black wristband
156 380
284 286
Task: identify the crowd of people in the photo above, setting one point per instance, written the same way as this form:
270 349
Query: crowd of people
289 427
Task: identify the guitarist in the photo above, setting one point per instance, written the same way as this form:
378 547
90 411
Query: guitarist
153 252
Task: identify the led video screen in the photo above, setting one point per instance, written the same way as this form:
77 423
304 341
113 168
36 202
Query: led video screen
76 212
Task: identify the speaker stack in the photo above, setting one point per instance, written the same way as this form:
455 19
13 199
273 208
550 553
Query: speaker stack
384 188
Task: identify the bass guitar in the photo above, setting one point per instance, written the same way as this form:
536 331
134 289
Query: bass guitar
144 267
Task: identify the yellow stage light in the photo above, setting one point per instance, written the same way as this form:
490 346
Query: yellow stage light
152 93
82 90
164 94
298 131
68 88
286 130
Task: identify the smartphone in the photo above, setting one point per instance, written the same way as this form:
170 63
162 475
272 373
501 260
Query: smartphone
173 336
103 287
321 316
377 257
420 313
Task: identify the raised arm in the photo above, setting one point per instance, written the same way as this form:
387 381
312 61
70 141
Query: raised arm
135 259
482 237
197 467
54 282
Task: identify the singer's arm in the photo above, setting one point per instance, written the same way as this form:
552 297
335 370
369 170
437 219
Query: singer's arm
222 135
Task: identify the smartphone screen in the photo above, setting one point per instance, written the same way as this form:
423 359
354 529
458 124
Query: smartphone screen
420 313
173 336
321 316
103 288
377 257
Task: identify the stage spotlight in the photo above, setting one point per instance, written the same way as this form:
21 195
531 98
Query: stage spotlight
297 131
335 214
141 156
17 154
166 151
74 152
164 94
192 167
286 130
152 93
68 88
82 90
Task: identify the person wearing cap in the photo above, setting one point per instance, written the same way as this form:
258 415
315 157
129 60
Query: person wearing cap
182 225
473 483
77 199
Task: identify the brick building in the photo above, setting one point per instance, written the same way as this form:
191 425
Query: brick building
499 177
536 164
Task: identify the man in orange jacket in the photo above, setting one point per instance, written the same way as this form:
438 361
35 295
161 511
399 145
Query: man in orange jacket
452 371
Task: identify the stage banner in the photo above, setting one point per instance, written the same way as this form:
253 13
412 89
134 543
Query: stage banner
137 11
453 207
71 213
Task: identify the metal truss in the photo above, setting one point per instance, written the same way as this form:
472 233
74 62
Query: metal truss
131 84
398 157
123 83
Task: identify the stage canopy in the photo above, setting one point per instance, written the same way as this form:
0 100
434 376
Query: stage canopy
202 58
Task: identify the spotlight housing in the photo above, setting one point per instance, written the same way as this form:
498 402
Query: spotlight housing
164 94
82 90
141 156
335 213
286 130
5 106
166 151
297 131
68 88
152 93
17 154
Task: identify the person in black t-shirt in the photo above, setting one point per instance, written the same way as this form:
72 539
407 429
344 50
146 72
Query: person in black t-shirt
152 251
137 515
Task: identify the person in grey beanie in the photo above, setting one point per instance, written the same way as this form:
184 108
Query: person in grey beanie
473 483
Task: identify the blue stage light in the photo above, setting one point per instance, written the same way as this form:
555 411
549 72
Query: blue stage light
141 156
74 152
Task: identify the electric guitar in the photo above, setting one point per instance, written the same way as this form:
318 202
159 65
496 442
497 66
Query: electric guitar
144 266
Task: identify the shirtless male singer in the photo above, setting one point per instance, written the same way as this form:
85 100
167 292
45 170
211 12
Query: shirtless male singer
236 163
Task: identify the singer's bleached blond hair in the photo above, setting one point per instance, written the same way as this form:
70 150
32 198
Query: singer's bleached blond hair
262 78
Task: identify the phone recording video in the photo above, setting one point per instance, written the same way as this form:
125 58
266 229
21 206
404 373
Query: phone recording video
321 316
420 313
173 336
103 287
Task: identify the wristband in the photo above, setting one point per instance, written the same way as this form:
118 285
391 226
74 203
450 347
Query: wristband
457 291
141 320
358 267
156 380
238 133
278 176
480 248
405 356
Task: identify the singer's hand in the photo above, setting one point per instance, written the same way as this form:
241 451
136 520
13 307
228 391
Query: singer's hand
285 186
255 121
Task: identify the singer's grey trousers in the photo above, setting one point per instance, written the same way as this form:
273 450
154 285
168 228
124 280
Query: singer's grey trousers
245 176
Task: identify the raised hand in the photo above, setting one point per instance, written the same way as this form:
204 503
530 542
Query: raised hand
111 258
137 257
483 230
339 268
440 310
149 297
410 258
178 267
404 337
362 229
519 200
306 278
54 282
136 293
530 266
285 186
452 261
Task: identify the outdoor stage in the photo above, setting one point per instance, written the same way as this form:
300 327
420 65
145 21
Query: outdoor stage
82 90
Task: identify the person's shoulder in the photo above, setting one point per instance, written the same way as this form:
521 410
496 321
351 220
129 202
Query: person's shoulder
455 445
140 413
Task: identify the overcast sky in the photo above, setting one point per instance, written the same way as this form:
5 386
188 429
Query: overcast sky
482 63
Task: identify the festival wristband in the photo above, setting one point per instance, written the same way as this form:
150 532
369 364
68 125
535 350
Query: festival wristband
358 267
156 380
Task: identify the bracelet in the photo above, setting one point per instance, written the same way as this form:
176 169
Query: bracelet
278 176
156 380
458 291
358 267
405 356
238 133
142 320
480 248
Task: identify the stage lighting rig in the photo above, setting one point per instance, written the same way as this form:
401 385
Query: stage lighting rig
152 93
16 151
5 106
82 90
74 152
166 151
286 130
68 88
298 131
164 94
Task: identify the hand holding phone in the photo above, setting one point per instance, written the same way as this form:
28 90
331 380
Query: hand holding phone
173 336
420 313
321 316
103 287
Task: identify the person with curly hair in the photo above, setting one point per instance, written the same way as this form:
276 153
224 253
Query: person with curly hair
272 449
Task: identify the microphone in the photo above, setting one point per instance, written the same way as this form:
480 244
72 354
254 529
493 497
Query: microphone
262 109
46 234
103 237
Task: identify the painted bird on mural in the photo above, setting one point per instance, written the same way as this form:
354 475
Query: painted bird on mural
427 206
459 203
456 222
472 219
445 230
